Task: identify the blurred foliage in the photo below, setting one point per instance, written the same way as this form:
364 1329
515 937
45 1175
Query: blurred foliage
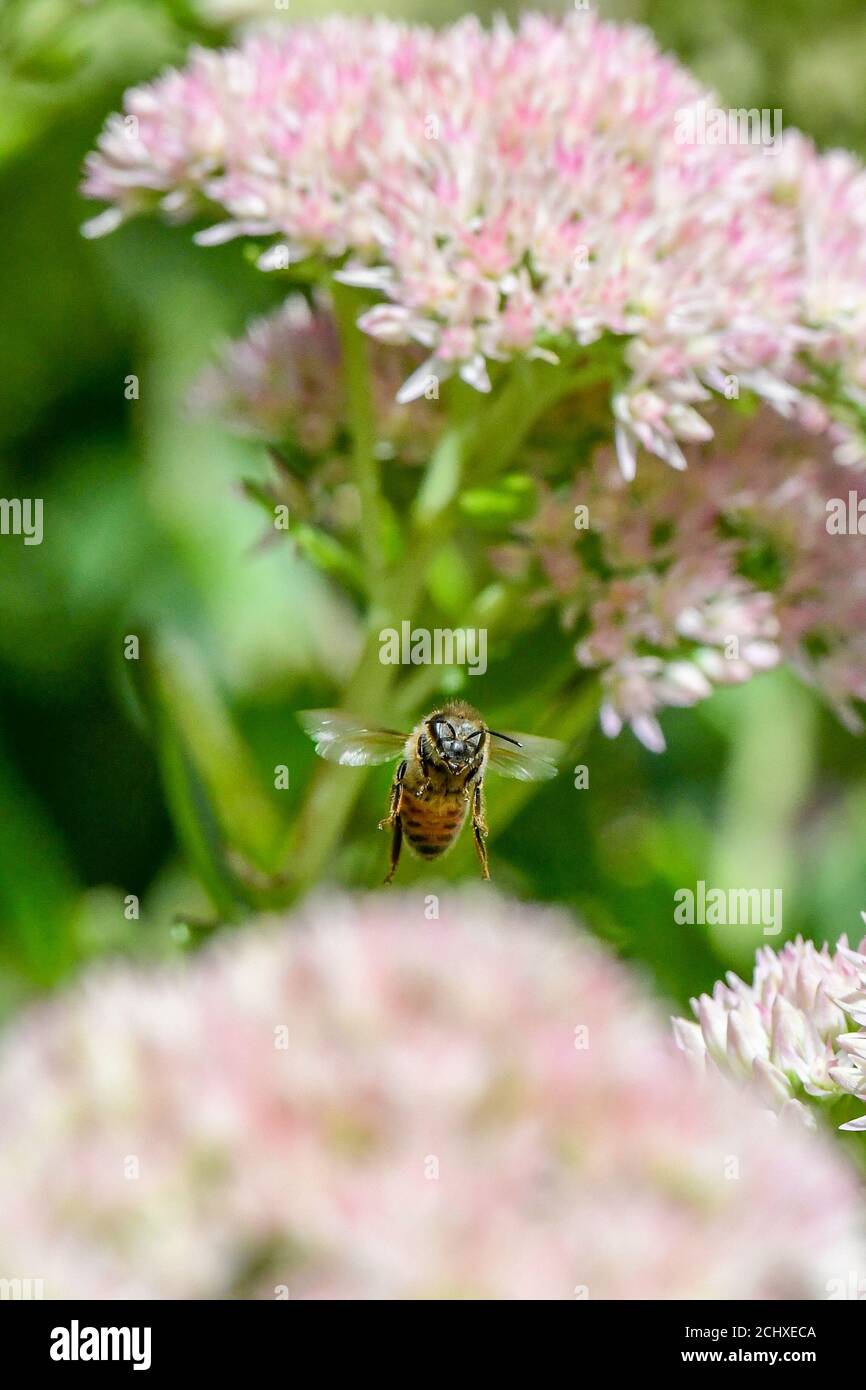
147 532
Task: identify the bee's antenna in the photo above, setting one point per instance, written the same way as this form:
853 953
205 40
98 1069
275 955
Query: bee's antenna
507 737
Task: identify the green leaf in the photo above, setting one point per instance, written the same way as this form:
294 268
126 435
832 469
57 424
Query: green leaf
329 555
37 887
441 479
216 801
512 499
449 581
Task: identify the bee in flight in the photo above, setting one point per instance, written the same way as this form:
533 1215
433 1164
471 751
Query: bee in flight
441 771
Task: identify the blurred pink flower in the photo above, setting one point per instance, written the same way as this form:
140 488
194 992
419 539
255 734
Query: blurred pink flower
517 192
363 1103
283 380
787 1032
280 380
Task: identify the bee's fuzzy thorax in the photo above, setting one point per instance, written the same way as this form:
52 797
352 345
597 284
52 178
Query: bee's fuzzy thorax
462 710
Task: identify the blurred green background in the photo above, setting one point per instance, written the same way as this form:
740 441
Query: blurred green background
146 530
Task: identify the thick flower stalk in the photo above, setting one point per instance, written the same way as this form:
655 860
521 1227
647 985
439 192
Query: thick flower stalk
369 1104
796 1034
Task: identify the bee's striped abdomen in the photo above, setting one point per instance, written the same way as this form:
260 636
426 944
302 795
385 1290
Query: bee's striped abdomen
431 825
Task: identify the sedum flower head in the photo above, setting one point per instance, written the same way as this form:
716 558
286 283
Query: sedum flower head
516 192
788 1033
362 1103
675 584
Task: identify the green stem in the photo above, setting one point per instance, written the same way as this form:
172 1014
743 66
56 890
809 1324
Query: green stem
362 426
334 790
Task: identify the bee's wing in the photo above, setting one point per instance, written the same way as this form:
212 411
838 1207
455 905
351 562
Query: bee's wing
533 761
341 738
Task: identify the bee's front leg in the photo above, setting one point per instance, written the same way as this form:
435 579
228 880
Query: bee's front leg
423 786
479 828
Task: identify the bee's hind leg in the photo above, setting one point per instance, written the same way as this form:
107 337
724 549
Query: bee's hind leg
479 829
396 846
393 821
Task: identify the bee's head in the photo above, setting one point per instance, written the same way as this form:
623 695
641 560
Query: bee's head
457 741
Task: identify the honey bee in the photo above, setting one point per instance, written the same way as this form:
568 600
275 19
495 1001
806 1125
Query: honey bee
441 771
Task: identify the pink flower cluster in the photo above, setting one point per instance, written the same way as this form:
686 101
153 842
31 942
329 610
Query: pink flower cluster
787 1033
675 583
283 381
363 1103
514 192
